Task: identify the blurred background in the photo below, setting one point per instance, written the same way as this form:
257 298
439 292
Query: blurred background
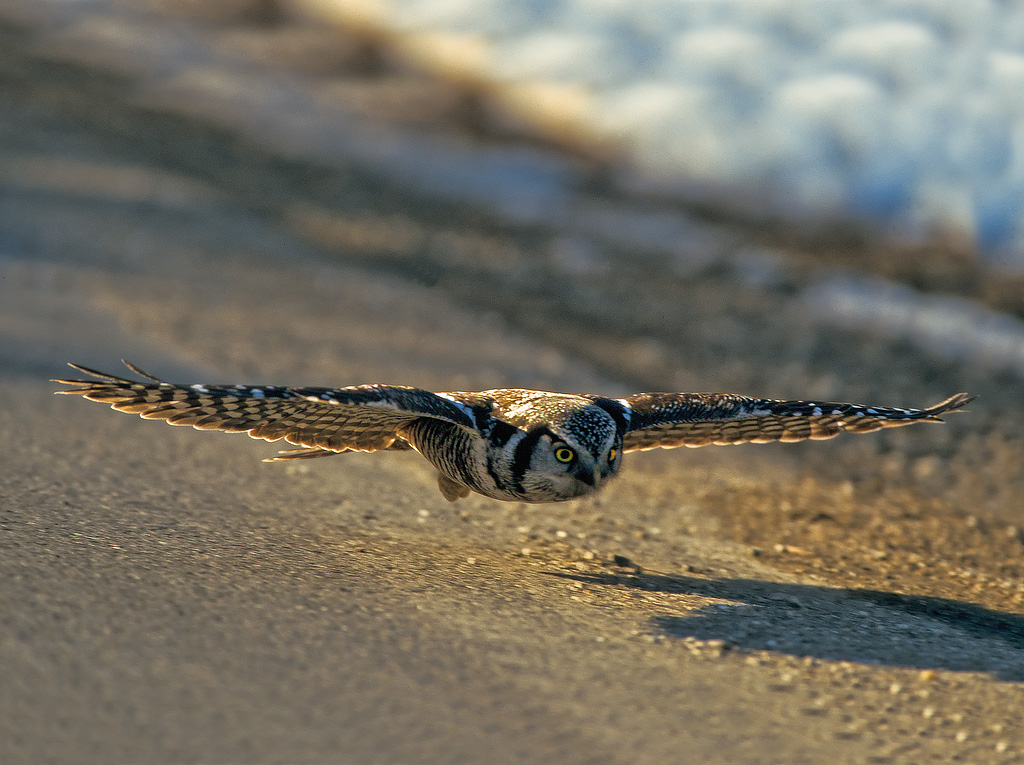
903 114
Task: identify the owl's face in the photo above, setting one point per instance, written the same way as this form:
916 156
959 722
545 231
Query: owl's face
572 461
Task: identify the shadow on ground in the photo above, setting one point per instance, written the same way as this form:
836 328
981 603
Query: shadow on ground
863 626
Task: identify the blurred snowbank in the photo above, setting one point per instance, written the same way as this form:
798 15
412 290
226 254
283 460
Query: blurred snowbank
948 327
909 113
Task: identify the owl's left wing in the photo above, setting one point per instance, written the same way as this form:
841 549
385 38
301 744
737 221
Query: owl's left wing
321 421
669 420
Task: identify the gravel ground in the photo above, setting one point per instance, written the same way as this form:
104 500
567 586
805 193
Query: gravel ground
168 598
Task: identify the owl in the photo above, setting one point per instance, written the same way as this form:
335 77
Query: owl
508 444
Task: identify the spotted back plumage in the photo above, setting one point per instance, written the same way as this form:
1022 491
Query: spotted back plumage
510 444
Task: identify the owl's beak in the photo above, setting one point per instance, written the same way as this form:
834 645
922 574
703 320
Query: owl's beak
591 477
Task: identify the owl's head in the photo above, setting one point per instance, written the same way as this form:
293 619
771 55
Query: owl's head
573 455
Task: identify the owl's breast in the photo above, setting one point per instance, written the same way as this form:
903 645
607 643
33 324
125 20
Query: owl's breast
464 456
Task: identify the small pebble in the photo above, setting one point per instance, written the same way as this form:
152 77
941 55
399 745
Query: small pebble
791 550
716 647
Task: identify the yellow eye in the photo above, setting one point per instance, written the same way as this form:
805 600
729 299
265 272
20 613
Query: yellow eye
565 454
611 455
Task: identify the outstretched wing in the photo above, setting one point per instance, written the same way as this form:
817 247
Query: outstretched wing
668 420
320 420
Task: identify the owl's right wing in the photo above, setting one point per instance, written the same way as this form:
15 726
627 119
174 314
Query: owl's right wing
320 421
668 420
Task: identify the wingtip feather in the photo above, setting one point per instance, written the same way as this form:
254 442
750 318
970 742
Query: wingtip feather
140 372
954 403
82 385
